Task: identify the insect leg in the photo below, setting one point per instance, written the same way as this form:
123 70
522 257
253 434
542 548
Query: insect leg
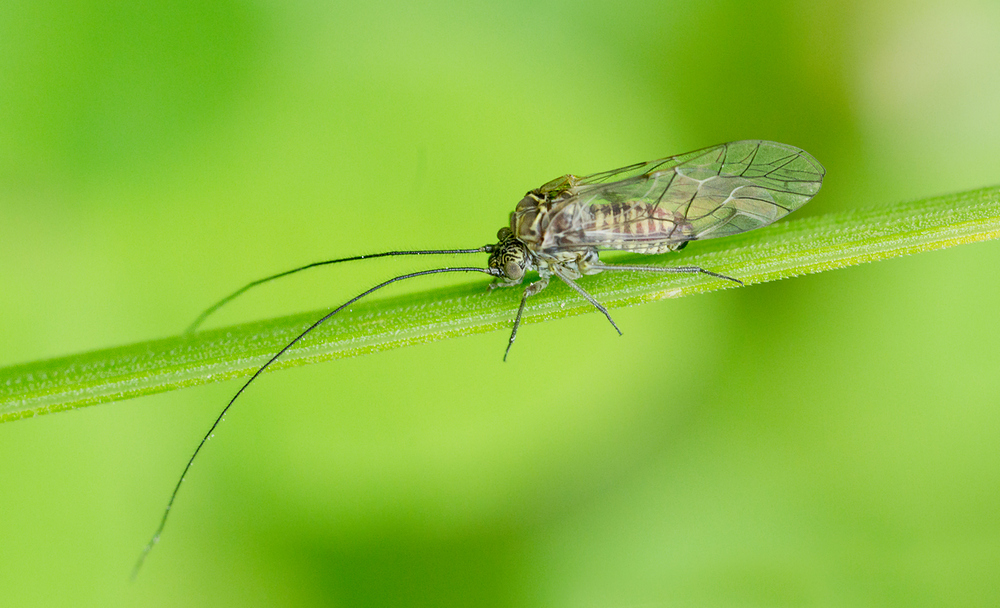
590 299
530 290
679 269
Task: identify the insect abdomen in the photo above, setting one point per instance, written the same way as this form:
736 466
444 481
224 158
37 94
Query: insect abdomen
634 226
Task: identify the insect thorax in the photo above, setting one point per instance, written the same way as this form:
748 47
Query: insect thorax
530 219
532 225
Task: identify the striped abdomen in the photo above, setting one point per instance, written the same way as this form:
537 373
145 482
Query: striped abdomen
631 226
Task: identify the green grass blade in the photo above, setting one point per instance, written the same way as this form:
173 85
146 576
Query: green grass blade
787 249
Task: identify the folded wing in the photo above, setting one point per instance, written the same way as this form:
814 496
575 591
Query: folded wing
662 204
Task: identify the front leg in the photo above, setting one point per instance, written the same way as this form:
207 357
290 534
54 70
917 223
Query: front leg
503 283
530 290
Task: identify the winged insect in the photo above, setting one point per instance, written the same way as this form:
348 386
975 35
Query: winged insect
559 228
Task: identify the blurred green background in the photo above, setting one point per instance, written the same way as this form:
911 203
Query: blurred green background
832 440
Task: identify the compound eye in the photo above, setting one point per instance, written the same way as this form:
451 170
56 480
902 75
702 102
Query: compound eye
513 271
503 234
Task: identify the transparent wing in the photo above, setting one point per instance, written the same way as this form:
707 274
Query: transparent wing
643 170
572 183
659 205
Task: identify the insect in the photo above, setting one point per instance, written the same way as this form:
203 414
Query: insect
559 228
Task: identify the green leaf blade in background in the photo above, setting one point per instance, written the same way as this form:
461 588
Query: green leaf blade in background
784 250
824 441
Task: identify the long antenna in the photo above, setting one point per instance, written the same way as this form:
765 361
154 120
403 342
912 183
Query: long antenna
166 512
214 307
